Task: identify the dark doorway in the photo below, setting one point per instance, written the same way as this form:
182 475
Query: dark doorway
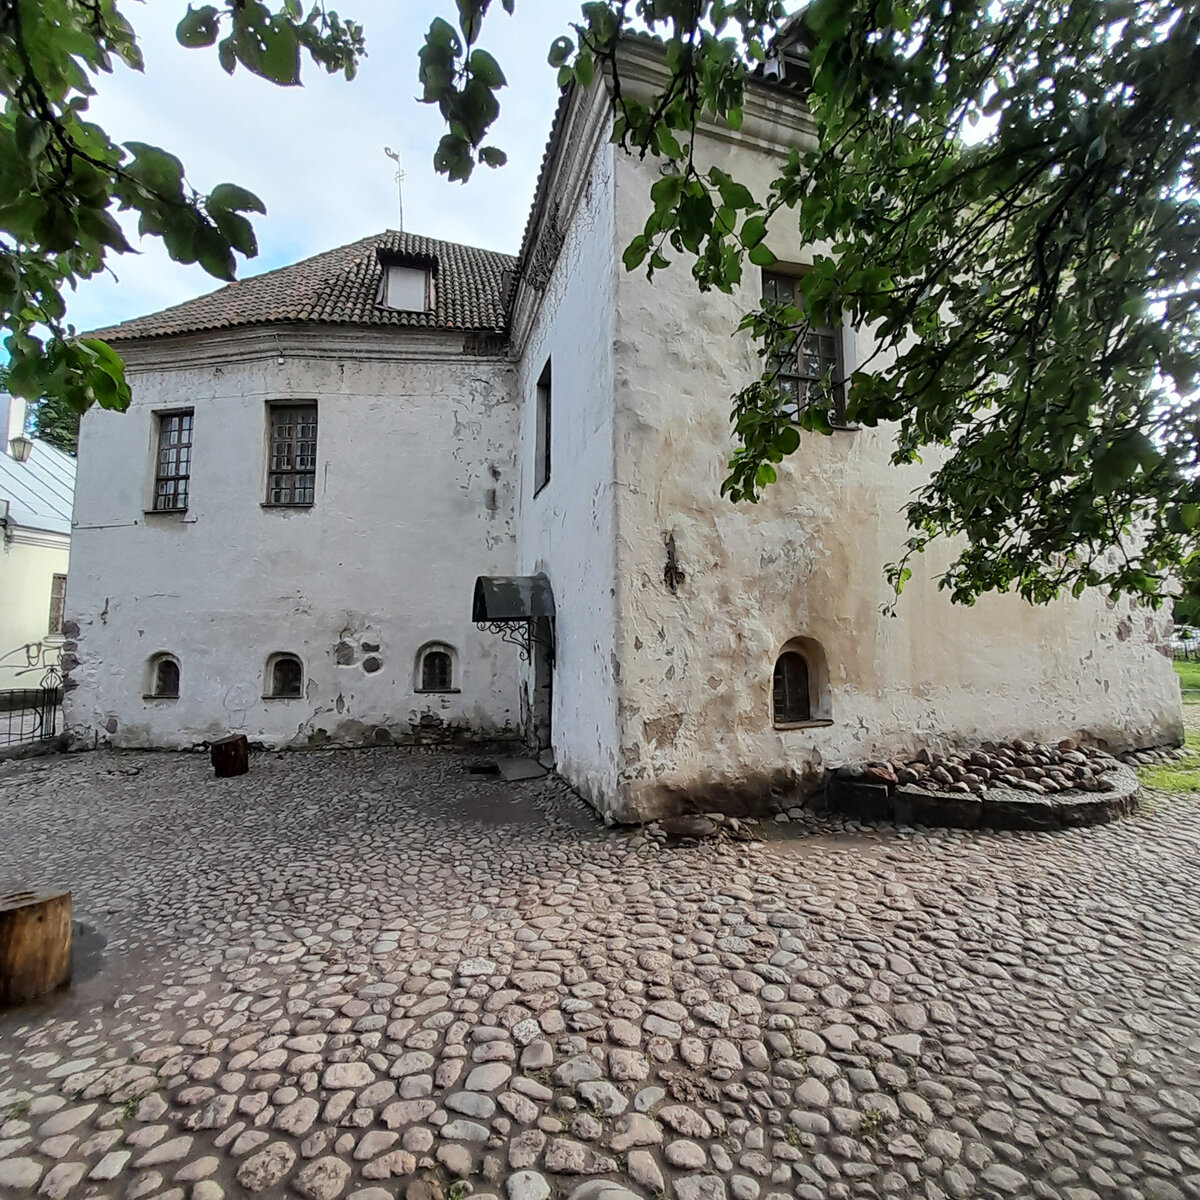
538 729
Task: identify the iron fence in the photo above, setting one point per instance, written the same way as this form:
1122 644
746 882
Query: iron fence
31 715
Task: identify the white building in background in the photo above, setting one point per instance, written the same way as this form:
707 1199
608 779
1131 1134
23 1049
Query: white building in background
283 535
37 484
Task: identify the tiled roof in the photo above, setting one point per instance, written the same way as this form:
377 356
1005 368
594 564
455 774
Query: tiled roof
341 287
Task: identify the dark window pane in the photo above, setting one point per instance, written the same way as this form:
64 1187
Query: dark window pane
58 595
790 691
174 463
166 678
287 677
435 672
541 466
293 454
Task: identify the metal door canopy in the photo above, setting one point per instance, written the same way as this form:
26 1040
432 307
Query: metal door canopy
511 598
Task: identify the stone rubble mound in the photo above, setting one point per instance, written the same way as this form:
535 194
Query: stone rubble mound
1023 765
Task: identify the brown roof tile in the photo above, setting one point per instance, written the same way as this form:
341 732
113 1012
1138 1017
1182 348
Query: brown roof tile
340 287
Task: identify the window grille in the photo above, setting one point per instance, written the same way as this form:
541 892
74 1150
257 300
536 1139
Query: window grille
174 467
293 471
813 373
58 599
436 673
286 677
790 694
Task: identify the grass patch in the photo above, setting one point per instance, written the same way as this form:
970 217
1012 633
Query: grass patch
1189 680
1182 776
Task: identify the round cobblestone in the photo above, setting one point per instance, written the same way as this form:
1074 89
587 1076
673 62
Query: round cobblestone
369 974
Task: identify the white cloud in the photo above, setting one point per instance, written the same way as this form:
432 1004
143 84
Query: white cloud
315 153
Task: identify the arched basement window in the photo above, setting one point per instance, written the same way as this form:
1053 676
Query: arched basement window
435 669
285 677
164 677
790 696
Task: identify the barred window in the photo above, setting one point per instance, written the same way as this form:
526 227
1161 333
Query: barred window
293 469
814 372
174 466
435 671
435 668
790 701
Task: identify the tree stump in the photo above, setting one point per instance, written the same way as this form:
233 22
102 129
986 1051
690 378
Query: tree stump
35 944
231 756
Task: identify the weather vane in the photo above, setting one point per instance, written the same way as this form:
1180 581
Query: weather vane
394 155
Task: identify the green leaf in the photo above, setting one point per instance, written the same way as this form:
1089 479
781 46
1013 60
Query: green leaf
760 256
560 50
232 198
486 69
199 27
788 441
754 229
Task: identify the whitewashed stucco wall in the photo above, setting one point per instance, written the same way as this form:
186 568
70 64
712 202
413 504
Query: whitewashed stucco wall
695 668
416 468
568 530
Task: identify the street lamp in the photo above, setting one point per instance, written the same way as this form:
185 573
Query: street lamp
20 448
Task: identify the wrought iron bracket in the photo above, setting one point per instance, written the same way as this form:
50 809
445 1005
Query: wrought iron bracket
520 633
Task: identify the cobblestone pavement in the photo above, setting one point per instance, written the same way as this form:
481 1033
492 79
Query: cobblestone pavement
372 974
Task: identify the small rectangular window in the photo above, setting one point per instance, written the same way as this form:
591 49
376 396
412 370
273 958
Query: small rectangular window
292 478
408 289
814 371
541 469
58 598
173 469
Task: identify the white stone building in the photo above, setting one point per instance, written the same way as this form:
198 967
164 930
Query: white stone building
284 532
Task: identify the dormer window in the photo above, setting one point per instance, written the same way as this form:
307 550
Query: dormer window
407 287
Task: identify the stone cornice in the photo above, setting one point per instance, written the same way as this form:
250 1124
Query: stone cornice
335 343
20 535
774 117
582 127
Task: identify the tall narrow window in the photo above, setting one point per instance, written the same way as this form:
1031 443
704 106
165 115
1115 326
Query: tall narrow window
541 469
285 677
813 372
292 478
790 699
174 467
58 597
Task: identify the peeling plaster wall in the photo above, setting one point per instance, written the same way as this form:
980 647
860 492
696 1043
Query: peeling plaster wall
415 477
807 561
568 529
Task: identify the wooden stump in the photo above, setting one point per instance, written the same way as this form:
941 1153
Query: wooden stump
231 756
35 944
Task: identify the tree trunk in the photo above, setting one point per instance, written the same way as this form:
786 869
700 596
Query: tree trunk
35 944
231 756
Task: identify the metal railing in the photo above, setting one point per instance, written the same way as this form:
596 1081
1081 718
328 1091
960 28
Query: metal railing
31 715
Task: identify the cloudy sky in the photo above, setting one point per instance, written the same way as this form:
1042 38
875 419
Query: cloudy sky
315 154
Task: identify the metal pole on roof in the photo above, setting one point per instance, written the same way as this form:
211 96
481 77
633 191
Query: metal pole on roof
394 155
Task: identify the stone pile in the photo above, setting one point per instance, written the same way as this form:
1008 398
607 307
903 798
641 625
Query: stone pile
1023 765
1159 756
